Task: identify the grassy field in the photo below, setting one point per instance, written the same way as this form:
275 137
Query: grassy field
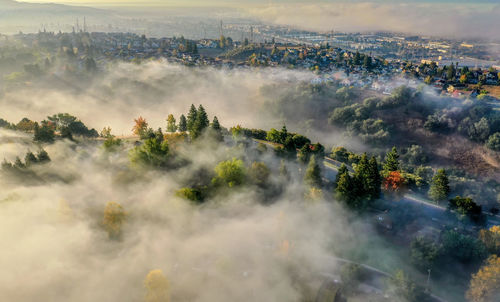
492 90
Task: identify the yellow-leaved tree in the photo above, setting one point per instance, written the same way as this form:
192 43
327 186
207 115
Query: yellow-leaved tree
491 239
485 284
114 217
157 287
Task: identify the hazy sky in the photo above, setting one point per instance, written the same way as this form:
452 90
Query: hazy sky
239 2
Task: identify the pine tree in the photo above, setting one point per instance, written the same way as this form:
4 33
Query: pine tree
375 180
30 158
216 129
392 161
343 191
342 170
215 124
182 123
191 117
440 187
201 122
361 177
313 173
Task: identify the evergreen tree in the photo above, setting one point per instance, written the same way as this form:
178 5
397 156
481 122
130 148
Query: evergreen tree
342 170
182 123
216 129
313 173
392 161
30 159
440 187
215 124
43 156
191 117
357 58
375 180
344 188
201 122
171 126
44 134
361 179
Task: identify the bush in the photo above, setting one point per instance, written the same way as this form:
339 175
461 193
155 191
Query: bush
494 142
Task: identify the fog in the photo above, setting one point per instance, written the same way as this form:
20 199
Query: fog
230 249
152 90
457 20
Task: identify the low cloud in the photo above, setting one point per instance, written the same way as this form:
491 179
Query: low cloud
435 19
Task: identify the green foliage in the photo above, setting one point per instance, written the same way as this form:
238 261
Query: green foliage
200 124
391 161
191 117
466 207
313 174
259 173
230 173
406 289
463 248
192 194
415 155
494 142
216 129
171 126
44 134
111 144
440 187
182 123
424 253
153 153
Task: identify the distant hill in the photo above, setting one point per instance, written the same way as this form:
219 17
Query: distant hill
22 16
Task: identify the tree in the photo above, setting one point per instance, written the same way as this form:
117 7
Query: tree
171 126
485 284
494 142
140 128
406 289
26 125
345 188
114 217
191 117
463 248
62 120
230 173
391 161
342 170
374 181
106 132
394 184
259 173
357 58
200 124
491 239
157 287
313 173
466 207
182 123
216 129
42 156
44 134
30 159
424 253
154 152
440 187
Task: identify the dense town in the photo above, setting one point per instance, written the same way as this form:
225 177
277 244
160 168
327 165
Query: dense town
360 68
